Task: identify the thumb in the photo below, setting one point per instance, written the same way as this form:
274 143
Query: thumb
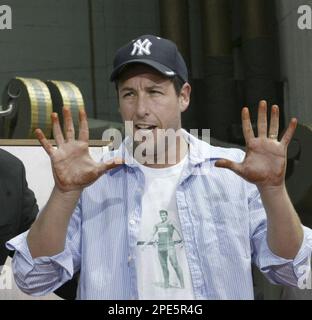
227 164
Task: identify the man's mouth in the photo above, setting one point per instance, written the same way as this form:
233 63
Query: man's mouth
145 127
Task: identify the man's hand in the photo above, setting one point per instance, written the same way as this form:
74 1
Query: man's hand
266 157
73 168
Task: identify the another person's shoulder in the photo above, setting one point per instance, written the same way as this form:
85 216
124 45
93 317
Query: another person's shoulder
8 161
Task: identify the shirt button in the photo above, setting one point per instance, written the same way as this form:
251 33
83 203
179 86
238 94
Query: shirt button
132 222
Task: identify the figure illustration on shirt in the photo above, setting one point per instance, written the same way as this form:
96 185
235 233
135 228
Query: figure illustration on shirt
166 247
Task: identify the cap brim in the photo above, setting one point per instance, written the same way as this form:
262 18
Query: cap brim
158 66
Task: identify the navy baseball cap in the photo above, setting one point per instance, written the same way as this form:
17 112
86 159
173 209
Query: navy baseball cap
159 53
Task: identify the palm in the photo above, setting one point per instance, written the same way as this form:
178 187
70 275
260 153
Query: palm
73 168
265 160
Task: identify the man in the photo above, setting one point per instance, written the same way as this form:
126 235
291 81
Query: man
231 213
18 204
166 248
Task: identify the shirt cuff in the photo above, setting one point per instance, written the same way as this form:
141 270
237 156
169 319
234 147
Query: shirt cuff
268 258
62 259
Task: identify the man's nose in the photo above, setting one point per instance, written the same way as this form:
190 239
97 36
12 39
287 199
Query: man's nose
142 109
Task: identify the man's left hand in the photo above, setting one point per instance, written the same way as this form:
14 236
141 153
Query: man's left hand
266 157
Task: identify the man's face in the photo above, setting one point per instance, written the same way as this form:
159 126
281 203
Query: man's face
149 100
163 216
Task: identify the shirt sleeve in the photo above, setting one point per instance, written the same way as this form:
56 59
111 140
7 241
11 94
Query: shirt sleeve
277 270
43 275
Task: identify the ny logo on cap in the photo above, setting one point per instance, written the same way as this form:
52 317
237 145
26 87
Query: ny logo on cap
140 48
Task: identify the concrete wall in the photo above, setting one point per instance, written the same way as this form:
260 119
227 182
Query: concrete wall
115 23
296 63
49 40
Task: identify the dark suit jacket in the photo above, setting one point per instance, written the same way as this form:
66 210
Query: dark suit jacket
18 205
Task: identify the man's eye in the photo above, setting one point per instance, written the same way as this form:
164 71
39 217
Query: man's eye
155 92
128 94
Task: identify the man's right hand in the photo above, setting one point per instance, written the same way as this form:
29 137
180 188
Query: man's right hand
73 168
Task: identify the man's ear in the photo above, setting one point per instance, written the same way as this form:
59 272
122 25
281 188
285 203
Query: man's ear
185 96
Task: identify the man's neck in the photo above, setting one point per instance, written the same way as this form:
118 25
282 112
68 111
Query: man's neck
173 155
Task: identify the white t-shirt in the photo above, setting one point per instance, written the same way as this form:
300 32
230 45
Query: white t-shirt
162 268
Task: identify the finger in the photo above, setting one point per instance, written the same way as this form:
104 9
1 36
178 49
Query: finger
289 132
274 122
83 126
262 119
57 131
247 127
47 146
227 164
69 129
111 164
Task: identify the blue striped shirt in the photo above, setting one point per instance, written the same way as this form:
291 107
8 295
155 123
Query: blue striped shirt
223 224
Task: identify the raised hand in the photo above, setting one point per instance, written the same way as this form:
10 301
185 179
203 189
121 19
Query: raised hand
266 157
73 168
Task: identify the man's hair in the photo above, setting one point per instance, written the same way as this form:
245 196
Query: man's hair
163 211
178 84
176 80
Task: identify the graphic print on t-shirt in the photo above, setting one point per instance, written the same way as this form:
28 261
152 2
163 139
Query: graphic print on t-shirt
161 263
165 245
